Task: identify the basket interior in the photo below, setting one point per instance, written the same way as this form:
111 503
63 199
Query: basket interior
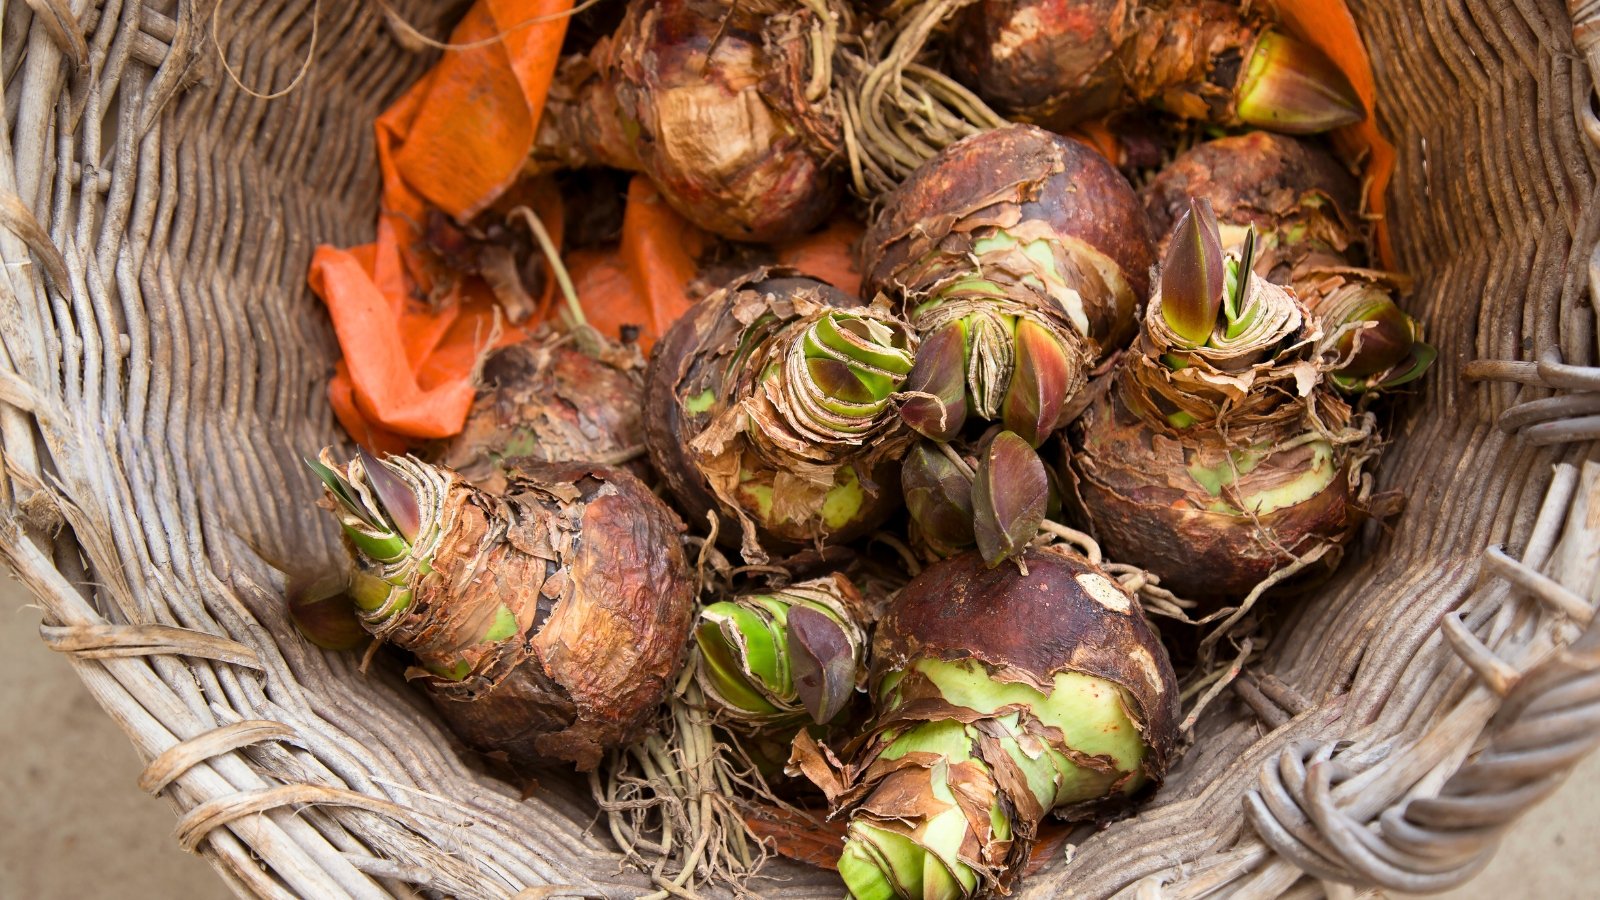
218 206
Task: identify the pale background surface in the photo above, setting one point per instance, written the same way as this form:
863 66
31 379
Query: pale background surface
73 824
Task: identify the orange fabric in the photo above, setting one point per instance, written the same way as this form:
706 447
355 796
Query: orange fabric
644 283
1099 138
1329 26
411 370
455 141
828 254
477 125
368 435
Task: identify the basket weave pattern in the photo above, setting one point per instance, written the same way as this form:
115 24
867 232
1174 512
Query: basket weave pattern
162 368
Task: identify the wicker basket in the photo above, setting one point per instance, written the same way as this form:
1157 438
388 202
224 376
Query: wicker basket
164 366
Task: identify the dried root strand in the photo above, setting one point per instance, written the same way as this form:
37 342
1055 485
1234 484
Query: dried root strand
672 802
899 112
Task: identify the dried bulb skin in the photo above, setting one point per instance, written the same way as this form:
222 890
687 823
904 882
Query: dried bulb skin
547 620
1169 501
1059 62
1296 195
545 400
582 125
1003 697
701 96
1035 249
776 411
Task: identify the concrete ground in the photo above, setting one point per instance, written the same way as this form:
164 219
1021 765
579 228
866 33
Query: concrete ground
74 824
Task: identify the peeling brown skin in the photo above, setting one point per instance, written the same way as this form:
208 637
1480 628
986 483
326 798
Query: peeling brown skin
1036 625
693 357
1024 56
943 207
698 95
1263 179
550 403
1059 62
668 428
1145 511
598 658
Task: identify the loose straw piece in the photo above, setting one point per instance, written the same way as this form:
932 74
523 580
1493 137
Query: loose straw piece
114 641
305 65
199 822
410 32
185 755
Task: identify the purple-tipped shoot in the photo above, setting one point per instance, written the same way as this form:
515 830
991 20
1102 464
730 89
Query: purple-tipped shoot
1378 345
1292 87
938 494
822 662
1193 277
324 614
1375 339
1010 493
936 402
398 501
1038 392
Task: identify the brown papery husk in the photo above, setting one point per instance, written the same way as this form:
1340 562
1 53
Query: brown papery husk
700 454
546 400
710 100
1032 184
1063 615
1273 182
1131 472
1060 62
1245 381
590 563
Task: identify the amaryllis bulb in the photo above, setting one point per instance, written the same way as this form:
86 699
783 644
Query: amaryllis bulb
778 412
566 647
1060 62
1213 466
711 101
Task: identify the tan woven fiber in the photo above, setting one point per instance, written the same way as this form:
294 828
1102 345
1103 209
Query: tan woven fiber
162 368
